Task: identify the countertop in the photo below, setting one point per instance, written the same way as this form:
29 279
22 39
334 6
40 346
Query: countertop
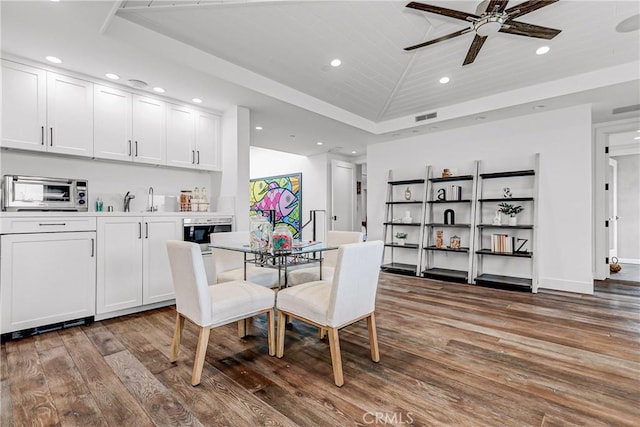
113 214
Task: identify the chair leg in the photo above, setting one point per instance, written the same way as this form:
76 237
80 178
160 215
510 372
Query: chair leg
201 351
271 332
243 327
373 338
177 335
282 320
336 357
322 333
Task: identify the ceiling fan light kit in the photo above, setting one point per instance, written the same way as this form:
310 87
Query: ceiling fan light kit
491 17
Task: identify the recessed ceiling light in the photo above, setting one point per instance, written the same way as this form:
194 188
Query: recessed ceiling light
637 137
158 89
258 127
53 59
336 62
319 143
197 100
353 152
444 80
542 50
112 76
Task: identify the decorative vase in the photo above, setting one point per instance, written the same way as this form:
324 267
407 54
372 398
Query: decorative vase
513 220
282 238
407 217
407 194
260 234
455 242
401 242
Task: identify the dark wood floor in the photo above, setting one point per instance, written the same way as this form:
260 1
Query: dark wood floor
450 355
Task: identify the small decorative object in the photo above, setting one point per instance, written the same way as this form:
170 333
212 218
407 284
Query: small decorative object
511 211
506 193
496 218
282 238
185 200
260 234
614 267
439 241
99 204
442 194
407 194
454 192
455 242
407 217
449 217
446 173
401 237
520 245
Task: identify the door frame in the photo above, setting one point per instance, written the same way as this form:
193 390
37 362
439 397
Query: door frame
600 239
613 207
335 163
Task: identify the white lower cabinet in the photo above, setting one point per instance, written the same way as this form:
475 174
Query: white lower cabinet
46 278
133 266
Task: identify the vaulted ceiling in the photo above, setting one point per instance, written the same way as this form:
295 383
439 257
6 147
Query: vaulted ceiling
273 57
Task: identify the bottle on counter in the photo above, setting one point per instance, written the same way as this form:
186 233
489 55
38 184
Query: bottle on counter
99 204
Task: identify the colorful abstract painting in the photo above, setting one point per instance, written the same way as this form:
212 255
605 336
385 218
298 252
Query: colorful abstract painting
282 194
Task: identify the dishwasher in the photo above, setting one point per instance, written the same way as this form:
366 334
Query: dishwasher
47 273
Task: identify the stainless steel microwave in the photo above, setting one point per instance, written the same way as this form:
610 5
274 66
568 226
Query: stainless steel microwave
36 193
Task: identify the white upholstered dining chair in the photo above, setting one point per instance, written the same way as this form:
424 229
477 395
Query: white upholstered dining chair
312 273
211 306
229 265
331 305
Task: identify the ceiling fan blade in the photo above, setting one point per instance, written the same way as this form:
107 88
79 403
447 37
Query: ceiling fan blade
502 4
474 49
439 39
527 7
529 30
442 11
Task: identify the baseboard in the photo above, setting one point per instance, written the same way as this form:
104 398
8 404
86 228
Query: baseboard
628 261
126 311
565 285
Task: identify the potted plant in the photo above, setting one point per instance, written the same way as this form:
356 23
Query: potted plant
401 237
511 211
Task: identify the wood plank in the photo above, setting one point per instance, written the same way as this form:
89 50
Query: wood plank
118 407
48 340
103 339
72 399
6 406
157 401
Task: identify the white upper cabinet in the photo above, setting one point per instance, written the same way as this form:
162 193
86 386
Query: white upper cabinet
181 138
112 124
69 115
24 106
208 141
149 131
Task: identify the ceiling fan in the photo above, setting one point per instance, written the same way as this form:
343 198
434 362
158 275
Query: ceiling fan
491 16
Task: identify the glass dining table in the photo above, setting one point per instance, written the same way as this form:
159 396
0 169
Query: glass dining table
299 255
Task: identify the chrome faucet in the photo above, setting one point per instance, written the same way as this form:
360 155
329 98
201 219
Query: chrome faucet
127 201
151 207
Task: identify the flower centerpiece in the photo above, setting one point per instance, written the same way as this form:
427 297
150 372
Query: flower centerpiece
401 237
511 211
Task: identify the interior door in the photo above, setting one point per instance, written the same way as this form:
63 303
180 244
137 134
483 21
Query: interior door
343 195
613 208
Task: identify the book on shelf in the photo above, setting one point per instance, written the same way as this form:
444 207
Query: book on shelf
502 243
453 192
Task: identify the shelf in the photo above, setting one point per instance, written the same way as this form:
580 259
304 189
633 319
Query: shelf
511 174
508 199
409 224
449 225
461 250
406 245
514 227
406 202
449 201
515 254
452 178
400 268
406 181
459 276
508 282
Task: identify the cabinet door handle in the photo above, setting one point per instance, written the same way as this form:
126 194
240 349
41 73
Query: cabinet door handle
92 248
198 157
139 230
193 156
136 148
61 224
129 148
42 134
146 230
51 139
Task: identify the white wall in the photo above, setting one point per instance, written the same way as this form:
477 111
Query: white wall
111 180
629 208
265 163
563 139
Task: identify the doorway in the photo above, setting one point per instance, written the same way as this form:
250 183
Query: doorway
343 192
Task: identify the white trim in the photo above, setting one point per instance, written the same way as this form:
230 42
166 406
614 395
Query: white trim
573 286
628 261
124 312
